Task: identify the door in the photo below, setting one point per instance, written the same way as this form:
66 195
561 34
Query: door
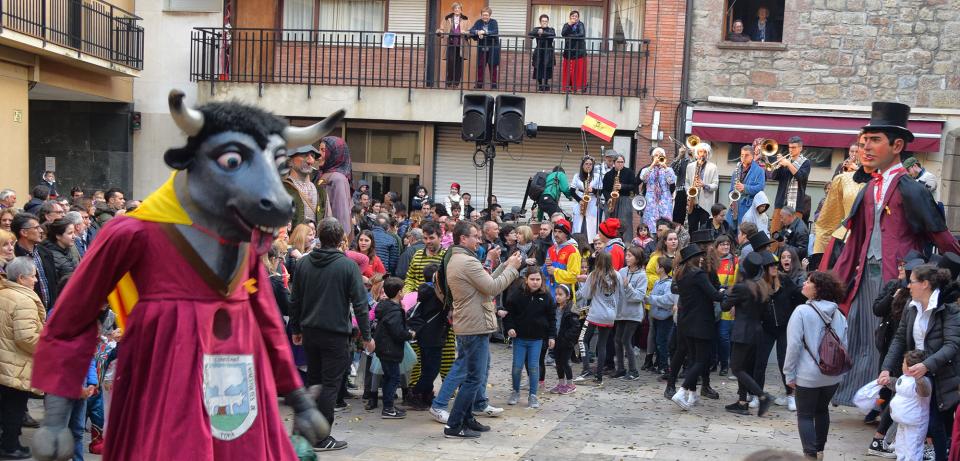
471 8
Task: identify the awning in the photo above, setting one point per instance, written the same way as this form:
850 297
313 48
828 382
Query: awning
816 130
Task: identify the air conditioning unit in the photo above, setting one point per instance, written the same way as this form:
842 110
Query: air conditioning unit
193 6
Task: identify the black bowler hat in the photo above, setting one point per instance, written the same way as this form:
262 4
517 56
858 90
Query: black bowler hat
690 251
951 262
701 236
759 241
890 116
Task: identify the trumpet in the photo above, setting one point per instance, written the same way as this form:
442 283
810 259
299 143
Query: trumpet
692 141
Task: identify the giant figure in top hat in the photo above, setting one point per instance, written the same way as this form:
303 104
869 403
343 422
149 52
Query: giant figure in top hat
892 215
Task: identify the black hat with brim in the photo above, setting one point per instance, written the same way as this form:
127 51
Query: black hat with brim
701 236
759 241
690 251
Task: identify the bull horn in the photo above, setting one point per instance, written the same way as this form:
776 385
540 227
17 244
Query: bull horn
188 119
302 136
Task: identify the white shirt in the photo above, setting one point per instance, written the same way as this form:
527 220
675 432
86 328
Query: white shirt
922 321
885 185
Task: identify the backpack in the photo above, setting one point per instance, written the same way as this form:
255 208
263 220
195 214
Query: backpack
538 183
834 359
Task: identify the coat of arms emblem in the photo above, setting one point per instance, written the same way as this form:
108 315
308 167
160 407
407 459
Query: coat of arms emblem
229 394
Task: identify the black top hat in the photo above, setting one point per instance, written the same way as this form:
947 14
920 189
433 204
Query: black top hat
768 258
912 264
701 236
752 266
690 251
951 262
759 241
890 116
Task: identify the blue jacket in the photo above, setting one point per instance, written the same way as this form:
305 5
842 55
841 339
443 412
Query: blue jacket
92 375
387 248
753 183
662 299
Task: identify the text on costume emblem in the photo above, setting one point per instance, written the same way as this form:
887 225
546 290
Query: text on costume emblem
229 394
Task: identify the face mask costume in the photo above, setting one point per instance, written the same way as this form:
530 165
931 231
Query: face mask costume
204 344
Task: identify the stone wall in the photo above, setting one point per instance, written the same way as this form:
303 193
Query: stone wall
837 52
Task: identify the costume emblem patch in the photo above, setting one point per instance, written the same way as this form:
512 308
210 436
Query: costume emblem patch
229 394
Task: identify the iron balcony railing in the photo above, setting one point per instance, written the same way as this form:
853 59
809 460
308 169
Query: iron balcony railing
91 27
409 60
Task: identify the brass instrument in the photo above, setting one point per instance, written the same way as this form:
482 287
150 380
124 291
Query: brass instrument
769 149
734 194
615 195
694 191
692 142
585 202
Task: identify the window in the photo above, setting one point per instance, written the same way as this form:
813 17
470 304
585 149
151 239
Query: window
360 15
626 20
748 13
590 16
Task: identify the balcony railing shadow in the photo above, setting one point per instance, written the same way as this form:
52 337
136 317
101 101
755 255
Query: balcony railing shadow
91 27
418 60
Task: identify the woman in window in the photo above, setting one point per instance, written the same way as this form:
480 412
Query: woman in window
454 27
574 70
543 60
487 34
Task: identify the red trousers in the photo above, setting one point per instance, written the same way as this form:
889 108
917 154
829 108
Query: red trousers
573 74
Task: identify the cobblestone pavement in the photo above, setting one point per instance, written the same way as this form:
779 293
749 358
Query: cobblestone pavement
617 421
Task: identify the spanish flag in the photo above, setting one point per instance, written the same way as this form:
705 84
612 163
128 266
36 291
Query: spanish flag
598 126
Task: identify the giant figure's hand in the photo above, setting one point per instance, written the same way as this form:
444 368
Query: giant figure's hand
307 421
53 440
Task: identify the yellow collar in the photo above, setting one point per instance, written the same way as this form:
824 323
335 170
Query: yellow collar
162 206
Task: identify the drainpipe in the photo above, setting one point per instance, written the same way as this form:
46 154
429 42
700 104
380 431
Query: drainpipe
681 116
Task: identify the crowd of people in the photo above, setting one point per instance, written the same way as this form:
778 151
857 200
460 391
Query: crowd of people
380 296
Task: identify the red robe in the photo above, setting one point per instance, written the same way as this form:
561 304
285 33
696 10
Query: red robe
897 236
177 365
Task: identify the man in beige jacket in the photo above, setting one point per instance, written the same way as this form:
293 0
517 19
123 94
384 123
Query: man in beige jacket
474 318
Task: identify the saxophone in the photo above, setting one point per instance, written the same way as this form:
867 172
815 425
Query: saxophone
585 201
615 195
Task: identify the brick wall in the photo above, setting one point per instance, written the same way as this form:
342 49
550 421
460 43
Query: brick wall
663 25
838 52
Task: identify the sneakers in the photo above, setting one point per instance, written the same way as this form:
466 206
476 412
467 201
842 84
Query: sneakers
631 375
491 411
791 403
439 415
880 448
669 391
598 380
754 401
568 389
341 406
763 405
732 377
461 432
20 453
583 376
475 425
619 374
693 398
681 399
532 401
738 408
369 406
330 444
558 389
393 413
780 401
724 371
929 453
549 361
514 398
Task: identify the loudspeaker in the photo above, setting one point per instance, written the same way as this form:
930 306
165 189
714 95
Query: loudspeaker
477 122
509 119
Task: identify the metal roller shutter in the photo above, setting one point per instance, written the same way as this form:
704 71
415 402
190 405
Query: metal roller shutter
407 16
512 168
511 16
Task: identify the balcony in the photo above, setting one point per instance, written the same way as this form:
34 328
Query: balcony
412 61
90 30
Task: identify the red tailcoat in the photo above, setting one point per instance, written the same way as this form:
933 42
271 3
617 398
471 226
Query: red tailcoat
897 236
171 394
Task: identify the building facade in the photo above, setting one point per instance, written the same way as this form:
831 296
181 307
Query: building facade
821 64
67 73
384 62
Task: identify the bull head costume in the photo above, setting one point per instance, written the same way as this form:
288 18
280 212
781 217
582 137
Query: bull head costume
204 351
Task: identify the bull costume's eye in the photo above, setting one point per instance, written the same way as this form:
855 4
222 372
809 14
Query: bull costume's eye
230 161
